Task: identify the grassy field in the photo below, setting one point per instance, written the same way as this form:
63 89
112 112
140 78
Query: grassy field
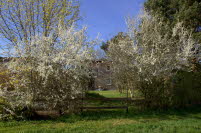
116 93
110 93
113 121
105 94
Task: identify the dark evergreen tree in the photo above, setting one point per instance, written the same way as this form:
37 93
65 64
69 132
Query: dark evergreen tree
115 39
173 11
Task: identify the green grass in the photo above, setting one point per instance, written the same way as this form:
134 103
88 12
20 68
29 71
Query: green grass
116 94
104 94
110 94
115 121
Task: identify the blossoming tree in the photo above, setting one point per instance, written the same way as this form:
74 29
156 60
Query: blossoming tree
51 71
150 55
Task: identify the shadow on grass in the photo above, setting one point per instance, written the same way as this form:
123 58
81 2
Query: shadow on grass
93 95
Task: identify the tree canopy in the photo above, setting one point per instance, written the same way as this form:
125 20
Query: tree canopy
20 20
115 40
172 11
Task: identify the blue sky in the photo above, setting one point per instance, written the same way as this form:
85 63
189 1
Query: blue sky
107 17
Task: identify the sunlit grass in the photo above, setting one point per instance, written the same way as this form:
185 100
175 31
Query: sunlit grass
110 94
105 94
115 121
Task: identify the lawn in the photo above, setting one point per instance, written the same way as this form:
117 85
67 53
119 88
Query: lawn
105 94
117 94
110 94
113 121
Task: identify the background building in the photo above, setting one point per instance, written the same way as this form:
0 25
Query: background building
102 75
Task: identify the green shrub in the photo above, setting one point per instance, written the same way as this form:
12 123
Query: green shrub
181 89
187 88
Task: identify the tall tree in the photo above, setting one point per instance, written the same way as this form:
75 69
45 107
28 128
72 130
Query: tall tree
53 74
150 57
20 20
115 40
172 11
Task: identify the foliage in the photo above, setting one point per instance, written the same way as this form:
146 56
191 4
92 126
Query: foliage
187 88
150 57
104 46
5 78
115 39
173 11
20 20
50 73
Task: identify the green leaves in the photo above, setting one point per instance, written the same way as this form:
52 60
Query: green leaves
20 20
173 11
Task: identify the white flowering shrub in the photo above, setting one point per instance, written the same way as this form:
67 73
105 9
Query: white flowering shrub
151 56
50 73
